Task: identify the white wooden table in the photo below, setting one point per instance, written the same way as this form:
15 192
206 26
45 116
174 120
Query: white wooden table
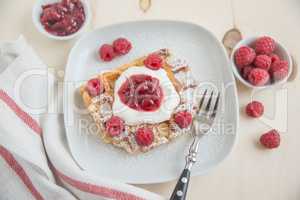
250 172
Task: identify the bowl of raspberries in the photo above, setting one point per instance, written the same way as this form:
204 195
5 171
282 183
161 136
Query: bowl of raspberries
260 62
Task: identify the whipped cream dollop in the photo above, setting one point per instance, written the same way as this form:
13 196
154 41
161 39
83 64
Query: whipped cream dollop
170 101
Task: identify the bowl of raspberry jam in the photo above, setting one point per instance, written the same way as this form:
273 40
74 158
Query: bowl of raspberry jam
61 19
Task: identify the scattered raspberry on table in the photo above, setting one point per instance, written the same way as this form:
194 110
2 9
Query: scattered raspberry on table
270 139
255 109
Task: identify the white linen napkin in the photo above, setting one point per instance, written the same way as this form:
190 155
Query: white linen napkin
35 161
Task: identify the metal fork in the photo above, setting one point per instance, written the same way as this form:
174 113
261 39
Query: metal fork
205 116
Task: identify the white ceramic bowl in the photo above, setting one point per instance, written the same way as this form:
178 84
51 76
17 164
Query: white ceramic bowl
280 50
37 11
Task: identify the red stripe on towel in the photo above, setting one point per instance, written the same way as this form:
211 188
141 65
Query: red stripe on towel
18 169
85 187
25 117
97 190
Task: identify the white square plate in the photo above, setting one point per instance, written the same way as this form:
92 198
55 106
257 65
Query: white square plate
209 62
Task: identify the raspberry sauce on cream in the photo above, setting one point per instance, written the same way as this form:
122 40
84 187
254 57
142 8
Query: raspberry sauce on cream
141 92
151 99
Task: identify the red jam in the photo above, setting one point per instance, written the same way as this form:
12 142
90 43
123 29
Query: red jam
63 18
141 92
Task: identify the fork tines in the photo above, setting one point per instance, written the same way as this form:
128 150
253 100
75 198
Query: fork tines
211 105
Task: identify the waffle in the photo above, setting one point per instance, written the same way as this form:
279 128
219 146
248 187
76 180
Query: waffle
100 107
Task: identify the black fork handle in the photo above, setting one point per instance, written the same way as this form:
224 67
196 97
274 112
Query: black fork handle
181 187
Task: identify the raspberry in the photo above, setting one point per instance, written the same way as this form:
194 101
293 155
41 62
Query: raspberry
244 56
258 77
106 52
114 126
265 45
94 87
274 57
270 139
263 62
153 61
144 136
121 46
149 104
183 119
246 70
255 109
279 70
